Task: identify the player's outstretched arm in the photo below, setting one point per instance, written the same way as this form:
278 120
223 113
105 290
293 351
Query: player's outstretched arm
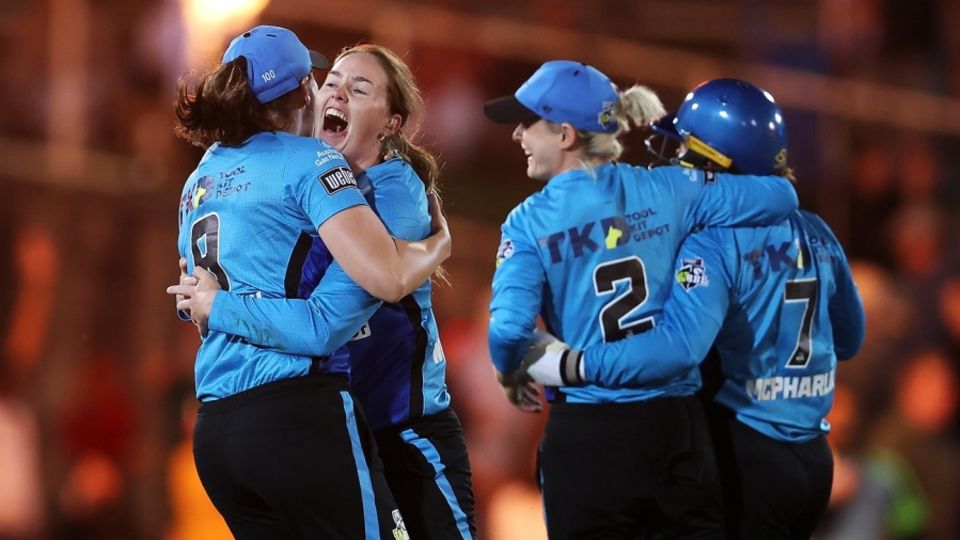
733 200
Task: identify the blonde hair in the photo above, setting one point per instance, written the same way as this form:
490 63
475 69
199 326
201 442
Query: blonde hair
403 98
638 105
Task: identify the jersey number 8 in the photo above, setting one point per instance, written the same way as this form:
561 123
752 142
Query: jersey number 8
205 245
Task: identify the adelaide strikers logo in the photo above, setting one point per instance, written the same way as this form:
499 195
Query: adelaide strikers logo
692 274
606 114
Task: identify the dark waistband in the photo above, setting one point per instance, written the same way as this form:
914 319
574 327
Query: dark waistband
613 408
317 380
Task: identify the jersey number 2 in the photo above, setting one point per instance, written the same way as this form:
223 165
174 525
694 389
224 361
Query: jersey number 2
606 276
807 291
205 245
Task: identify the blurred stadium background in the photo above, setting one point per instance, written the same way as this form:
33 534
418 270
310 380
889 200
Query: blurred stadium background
96 371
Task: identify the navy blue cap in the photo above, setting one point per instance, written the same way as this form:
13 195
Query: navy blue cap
561 91
276 60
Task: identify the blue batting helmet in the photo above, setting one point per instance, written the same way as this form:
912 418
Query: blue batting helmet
731 123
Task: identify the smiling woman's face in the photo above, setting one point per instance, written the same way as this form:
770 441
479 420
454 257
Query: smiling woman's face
353 110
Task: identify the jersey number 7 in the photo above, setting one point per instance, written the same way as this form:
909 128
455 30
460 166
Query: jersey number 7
807 291
606 276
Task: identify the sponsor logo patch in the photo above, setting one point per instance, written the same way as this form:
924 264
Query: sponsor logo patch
337 179
364 332
400 529
505 251
606 114
692 274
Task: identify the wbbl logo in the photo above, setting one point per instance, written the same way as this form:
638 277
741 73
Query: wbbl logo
692 274
337 179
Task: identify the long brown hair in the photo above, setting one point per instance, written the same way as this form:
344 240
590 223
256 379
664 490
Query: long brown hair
219 106
403 98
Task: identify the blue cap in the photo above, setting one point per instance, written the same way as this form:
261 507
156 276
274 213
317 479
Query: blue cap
561 91
276 60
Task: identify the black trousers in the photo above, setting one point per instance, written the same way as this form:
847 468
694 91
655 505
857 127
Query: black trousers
294 459
632 470
771 489
427 468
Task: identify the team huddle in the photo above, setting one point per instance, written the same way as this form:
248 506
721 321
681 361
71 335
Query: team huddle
691 316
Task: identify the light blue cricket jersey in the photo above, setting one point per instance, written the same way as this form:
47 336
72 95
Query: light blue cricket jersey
592 253
396 364
248 214
780 302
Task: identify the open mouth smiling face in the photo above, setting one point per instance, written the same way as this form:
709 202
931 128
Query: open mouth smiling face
355 111
335 123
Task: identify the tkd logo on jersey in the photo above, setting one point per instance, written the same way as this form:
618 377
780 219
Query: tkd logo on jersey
607 233
692 274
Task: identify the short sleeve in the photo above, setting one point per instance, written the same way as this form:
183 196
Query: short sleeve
322 183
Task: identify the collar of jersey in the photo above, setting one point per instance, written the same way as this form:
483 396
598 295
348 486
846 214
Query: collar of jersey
217 147
581 174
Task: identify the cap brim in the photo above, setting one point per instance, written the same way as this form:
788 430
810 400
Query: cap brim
666 127
318 61
507 110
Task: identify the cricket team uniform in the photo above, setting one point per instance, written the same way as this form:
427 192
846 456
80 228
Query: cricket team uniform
592 254
780 306
394 358
278 435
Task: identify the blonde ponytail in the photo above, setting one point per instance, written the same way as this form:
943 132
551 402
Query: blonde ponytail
638 104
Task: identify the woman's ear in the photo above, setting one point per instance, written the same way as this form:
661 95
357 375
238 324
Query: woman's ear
393 124
306 92
568 136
